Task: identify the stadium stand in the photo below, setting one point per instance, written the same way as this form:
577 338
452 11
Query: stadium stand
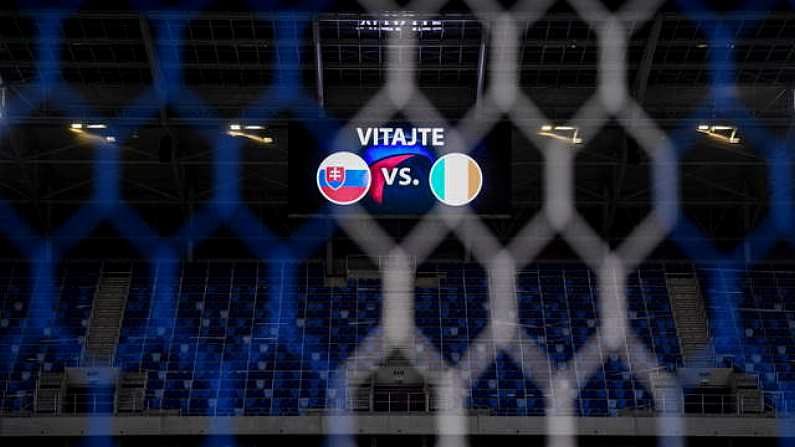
220 347
28 348
762 342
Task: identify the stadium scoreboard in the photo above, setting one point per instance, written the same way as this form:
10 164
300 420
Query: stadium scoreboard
398 170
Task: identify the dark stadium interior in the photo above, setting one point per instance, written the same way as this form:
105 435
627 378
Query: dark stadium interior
154 272
227 62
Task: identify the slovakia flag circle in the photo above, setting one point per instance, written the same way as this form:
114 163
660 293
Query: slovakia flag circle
343 178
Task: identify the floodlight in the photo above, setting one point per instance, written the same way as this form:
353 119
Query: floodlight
725 133
252 137
569 134
250 131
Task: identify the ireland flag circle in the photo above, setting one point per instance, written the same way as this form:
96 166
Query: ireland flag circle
455 179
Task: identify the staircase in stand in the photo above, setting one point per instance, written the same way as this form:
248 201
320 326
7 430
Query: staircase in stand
130 393
50 389
690 316
110 300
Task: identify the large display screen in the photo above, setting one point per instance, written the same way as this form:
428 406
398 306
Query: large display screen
398 170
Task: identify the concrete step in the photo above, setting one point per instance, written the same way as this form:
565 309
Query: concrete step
106 316
690 317
110 340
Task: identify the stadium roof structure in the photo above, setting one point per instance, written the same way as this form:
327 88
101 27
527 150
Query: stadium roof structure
113 61
228 58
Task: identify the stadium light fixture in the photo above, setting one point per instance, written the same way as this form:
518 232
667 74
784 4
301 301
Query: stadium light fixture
94 126
88 131
727 134
258 139
569 134
237 127
249 131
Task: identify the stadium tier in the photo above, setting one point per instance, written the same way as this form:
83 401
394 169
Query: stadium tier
756 337
42 334
250 338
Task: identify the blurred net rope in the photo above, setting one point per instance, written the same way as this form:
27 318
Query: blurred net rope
503 97
398 260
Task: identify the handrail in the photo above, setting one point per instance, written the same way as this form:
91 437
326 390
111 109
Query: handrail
773 404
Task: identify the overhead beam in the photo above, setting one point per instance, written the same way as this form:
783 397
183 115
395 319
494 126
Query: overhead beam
481 76
779 16
155 70
318 63
161 87
671 120
641 84
644 70
684 66
551 42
